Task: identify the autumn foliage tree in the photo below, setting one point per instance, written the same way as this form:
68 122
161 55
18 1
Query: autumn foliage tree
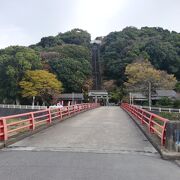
40 83
143 77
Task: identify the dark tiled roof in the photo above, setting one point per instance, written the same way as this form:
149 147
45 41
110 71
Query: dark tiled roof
165 93
159 94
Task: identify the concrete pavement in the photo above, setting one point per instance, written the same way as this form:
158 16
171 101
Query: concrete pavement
106 129
102 144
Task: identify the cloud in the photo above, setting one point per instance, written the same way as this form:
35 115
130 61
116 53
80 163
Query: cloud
13 35
25 22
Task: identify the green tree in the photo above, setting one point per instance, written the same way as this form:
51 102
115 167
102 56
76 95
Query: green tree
116 95
176 103
165 102
71 64
119 49
71 51
49 41
40 83
177 87
14 61
71 72
76 36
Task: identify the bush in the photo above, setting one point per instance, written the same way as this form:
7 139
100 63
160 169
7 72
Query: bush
176 104
170 116
165 102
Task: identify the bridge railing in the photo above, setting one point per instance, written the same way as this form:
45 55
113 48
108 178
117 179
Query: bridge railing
12 125
155 124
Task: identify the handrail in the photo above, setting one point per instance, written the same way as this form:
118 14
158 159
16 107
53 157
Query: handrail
11 125
156 124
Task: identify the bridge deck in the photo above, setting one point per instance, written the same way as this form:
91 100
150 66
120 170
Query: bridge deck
66 151
106 129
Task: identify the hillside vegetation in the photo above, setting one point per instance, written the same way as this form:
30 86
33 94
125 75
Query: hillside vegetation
68 57
161 47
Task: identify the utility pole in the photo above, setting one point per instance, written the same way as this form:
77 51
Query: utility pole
72 98
149 89
33 100
130 98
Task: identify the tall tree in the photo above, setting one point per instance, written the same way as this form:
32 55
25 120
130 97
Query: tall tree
71 51
76 36
14 61
71 72
49 41
119 49
40 83
71 64
143 77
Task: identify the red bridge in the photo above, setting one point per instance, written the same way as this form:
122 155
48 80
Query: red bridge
102 143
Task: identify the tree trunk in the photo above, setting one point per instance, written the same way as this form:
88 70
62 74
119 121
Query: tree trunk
149 89
33 100
43 102
17 101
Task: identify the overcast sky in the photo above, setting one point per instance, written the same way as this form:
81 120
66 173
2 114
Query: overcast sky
25 22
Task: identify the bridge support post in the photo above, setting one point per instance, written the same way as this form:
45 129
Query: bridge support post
173 136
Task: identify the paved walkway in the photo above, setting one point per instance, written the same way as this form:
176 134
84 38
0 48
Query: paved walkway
102 144
106 129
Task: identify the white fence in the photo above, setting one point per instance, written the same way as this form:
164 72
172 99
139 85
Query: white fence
22 106
159 109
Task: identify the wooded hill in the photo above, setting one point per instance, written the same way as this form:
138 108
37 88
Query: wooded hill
68 56
161 47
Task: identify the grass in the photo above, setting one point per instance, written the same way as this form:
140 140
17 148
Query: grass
17 126
170 115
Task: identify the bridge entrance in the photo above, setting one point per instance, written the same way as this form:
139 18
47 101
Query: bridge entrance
102 144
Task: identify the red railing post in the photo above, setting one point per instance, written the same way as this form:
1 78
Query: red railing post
32 121
68 109
150 124
142 117
73 109
78 106
49 117
163 134
4 130
60 113
1 130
